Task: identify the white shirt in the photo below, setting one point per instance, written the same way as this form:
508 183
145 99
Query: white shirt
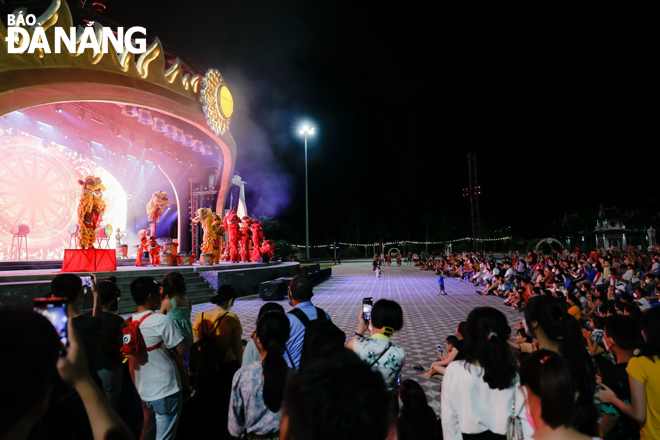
158 377
469 406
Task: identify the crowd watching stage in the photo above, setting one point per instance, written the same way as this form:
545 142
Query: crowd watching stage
581 363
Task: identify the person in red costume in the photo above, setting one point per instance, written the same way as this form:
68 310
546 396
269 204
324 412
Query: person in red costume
143 246
257 238
245 238
231 222
154 249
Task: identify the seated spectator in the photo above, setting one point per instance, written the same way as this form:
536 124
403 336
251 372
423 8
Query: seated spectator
644 381
547 320
258 388
108 357
417 419
250 352
574 306
214 385
25 395
336 396
622 335
438 367
548 387
154 372
378 350
478 392
524 343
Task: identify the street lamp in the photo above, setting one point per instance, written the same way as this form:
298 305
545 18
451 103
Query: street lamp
305 131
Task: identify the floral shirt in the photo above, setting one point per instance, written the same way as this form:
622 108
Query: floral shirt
247 410
389 364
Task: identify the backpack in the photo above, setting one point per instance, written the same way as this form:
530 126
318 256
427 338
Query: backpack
320 334
133 342
204 355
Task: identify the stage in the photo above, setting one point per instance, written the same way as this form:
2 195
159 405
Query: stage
21 281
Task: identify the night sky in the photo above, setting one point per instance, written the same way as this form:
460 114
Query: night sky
555 98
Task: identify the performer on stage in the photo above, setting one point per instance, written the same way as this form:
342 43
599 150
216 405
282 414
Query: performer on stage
156 206
90 210
245 238
257 237
231 222
118 236
206 217
154 251
143 246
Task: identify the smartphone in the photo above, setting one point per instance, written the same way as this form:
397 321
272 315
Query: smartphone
87 281
440 349
398 379
367 306
55 310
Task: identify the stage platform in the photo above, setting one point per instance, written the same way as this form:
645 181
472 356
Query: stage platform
21 281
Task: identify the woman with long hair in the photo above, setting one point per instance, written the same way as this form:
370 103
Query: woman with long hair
549 390
547 320
478 391
258 389
416 418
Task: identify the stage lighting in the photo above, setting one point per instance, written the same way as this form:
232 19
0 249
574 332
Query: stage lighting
188 140
159 125
198 147
81 114
144 117
58 108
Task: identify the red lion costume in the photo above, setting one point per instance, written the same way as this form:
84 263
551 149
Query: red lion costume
245 238
257 237
90 210
143 246
156 206
154 251
231 222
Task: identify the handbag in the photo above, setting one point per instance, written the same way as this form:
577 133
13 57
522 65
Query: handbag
204 356
514 425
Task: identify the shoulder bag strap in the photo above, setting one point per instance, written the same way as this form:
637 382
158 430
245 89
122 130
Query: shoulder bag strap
286 350
389 344
320 314
301 316
217 323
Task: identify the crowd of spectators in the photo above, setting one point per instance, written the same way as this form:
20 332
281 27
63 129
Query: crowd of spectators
584 363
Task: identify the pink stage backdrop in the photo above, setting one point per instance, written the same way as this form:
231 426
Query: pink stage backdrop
39 187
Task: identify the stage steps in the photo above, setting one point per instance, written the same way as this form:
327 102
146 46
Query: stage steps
18 290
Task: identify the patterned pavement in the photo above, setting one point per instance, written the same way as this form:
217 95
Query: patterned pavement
428 318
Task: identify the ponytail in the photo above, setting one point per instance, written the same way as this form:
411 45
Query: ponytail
273 332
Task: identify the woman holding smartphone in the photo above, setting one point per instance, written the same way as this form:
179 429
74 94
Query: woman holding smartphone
378 350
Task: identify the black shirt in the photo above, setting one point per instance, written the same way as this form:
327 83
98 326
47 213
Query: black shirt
616 377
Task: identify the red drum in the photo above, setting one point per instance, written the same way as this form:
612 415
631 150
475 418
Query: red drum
172 259
206 259
122 251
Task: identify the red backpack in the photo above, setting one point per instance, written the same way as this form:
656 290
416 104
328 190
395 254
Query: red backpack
133 342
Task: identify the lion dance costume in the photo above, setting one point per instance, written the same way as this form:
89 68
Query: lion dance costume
206 217
245 238
143 246
154 251
156 206
232 222
90 210
217 242
257 237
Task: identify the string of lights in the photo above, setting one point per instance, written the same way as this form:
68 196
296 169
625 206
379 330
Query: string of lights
412 242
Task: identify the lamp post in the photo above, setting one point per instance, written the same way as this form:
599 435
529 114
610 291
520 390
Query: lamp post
305 131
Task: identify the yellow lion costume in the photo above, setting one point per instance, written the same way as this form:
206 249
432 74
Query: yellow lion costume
206 217
90 210
157 205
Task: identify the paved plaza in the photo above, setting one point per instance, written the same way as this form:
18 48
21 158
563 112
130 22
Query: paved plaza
428 318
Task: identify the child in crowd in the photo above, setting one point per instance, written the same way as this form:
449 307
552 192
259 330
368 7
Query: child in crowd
441 283
378 271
